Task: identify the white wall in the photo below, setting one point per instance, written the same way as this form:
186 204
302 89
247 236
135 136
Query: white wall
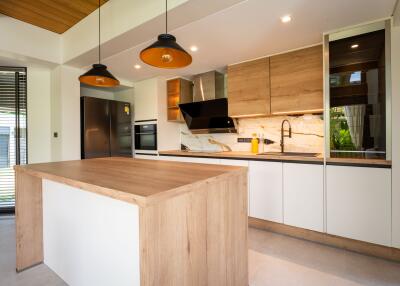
95 92
39 126
65 113
396 135
146 99
150 102
126 95
25 40
396 14
117 18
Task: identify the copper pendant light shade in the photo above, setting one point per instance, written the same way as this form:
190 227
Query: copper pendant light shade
98 75
165 52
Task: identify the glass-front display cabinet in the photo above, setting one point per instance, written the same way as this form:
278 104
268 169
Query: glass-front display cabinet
357 95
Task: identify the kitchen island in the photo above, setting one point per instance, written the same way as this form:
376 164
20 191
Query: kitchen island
122 221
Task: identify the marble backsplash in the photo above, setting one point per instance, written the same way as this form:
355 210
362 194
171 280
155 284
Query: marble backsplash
308 135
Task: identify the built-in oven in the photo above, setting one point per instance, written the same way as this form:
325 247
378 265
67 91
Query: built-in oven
145 136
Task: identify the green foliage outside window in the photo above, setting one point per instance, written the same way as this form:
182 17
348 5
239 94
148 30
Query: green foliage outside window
340 137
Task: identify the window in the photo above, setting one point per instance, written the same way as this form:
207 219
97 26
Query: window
13 143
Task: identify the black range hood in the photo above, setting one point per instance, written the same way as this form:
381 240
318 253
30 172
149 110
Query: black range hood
210 116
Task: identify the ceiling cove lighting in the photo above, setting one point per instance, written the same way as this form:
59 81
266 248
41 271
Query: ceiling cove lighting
286 19
98 75
355 46
165 52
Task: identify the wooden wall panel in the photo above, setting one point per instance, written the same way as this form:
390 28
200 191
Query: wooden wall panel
297 81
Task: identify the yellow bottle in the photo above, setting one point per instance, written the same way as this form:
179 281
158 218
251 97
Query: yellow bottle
254 144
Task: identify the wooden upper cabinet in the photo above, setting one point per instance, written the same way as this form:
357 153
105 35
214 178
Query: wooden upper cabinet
179 91
297 81
248 89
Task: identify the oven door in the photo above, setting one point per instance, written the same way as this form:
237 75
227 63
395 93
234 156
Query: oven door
146 137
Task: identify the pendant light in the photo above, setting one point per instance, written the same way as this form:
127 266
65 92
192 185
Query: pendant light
98 75
165 52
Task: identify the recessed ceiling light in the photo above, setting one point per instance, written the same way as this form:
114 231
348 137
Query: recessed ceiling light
355 46
194 48
286 19
137 66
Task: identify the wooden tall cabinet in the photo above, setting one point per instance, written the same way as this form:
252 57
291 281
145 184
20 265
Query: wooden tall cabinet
248 88
179 91
297 81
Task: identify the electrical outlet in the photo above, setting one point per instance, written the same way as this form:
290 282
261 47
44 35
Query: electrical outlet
244 140
248 140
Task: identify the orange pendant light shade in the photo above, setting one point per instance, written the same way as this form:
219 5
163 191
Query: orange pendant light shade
99 76
166 53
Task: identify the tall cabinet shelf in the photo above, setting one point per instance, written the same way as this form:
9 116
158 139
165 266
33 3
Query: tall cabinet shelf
179 91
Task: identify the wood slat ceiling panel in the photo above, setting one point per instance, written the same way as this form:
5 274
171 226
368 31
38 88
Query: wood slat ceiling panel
53 15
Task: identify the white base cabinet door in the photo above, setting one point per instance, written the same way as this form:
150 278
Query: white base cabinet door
205 160
172 158
266 190
359 203
190 159
147 157
303 195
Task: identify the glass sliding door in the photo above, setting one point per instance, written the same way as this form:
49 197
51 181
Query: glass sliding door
13 131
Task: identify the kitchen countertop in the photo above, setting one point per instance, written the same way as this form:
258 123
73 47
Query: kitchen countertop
133 180
245 156
359 162
299 159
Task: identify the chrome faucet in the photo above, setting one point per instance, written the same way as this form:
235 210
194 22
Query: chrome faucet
283 134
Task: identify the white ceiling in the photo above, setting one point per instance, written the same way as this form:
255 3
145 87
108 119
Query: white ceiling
252 29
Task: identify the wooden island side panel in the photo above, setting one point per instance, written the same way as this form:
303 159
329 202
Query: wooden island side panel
28 220
199 238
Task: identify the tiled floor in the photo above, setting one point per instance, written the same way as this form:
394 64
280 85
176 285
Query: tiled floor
280 260
273 260
40 275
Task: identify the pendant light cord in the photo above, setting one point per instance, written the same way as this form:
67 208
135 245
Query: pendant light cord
166 16
99 33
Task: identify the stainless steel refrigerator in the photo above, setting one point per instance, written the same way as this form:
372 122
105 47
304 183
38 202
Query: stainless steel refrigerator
106 128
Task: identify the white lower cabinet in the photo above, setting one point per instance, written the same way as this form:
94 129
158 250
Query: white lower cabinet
359 203
303 195
190 159
205 160
147 157
170 158
265 179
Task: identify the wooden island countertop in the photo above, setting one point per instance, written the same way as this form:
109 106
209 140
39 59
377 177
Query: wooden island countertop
132 180
134 222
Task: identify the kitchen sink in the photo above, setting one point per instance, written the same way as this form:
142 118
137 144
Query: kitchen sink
301 154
